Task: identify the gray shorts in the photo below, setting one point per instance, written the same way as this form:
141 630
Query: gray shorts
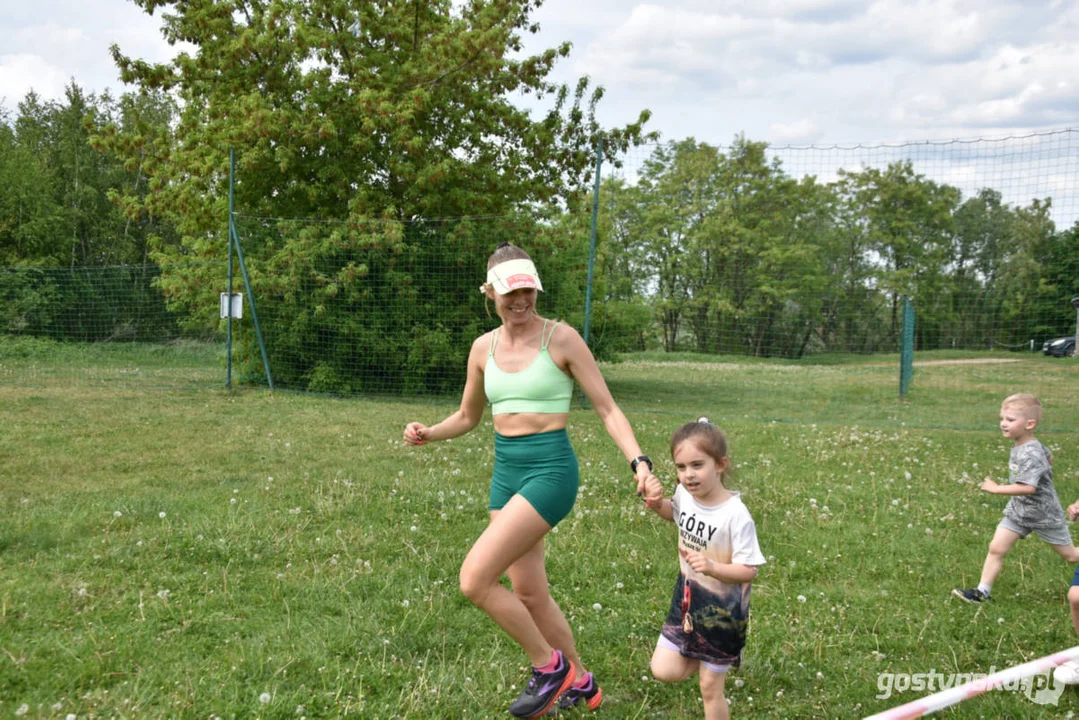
1052 534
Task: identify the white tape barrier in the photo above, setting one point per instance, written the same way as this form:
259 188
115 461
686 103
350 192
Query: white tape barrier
951 696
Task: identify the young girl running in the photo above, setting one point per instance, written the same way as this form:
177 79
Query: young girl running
705 629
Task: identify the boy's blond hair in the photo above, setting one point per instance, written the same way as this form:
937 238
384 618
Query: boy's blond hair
1025 403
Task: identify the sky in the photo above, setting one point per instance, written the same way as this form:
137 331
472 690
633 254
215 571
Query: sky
790 72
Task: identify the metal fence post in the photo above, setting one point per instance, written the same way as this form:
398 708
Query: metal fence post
906 352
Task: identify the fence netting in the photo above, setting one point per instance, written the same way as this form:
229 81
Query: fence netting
716 270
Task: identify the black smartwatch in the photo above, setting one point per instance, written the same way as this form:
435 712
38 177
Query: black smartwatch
638 460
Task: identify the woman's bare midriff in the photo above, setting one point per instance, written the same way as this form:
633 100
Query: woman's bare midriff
518 424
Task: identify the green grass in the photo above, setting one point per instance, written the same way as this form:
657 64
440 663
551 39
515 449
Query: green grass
332 587
174 365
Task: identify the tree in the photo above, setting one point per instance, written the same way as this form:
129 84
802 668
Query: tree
675 195
339 109
907 220
392 111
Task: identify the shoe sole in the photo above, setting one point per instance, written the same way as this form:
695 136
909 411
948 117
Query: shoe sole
965 599
595 700
570 677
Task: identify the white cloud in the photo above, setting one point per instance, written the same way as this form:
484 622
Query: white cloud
19 73
52 43
786 71
803 131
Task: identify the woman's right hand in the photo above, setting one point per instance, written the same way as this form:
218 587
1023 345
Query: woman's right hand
416 433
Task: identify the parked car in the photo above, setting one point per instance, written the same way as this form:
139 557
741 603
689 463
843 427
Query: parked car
1061 347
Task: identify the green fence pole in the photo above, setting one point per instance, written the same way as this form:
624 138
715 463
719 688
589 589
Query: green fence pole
228 342
592 247
906 352
250 298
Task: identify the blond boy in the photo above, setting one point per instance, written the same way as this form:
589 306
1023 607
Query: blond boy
1034 505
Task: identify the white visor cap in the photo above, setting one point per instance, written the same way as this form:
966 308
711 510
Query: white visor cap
511 275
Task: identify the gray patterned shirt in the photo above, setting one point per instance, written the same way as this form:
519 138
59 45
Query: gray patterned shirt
1030 464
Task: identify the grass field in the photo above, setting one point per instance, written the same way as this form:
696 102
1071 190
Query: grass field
212 554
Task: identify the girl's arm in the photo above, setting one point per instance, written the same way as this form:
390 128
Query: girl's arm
664 509
582 365
734 573
473 400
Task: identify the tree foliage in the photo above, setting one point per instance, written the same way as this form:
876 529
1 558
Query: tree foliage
735 256
383 116
56 207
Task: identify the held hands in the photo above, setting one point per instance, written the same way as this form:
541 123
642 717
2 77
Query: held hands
990 486
653 492
644 472
416 433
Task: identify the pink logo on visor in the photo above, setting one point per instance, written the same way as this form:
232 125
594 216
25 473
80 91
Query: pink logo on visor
520 280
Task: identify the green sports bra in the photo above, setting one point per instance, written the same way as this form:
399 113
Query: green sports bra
540 388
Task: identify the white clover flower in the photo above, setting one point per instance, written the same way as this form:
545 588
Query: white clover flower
23 709
801 598
117 513
404 603
597 606
264 698
619 585
820 675
161 514
232 501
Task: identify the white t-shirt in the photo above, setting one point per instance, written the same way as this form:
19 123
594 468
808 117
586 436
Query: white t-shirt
718 611
724 533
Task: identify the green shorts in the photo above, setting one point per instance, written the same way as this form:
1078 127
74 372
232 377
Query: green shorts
541 468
